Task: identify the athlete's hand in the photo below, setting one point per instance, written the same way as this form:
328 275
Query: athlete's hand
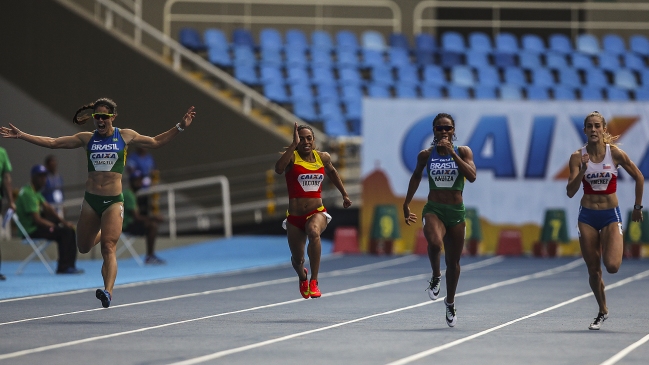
636 215
445 144
10 132
188 118
346 202
409 217
296 136
584 162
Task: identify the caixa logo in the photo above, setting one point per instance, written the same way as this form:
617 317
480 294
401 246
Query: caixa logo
494 129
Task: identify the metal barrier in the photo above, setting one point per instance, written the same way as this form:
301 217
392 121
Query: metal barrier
496 23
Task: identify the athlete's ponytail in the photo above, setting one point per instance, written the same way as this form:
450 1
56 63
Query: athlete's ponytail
82 115
607 137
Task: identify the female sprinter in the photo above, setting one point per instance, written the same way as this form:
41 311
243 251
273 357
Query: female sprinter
600 222
102 210
307 217
444 213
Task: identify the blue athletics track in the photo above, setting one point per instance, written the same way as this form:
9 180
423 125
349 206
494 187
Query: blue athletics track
237 302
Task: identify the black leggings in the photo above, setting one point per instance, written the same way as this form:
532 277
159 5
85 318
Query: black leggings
66 239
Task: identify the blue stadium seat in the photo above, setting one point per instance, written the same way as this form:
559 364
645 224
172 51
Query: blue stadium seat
215 38
382 75
335 126
588 44
242 37
642 94
596 78
457 92
296 38
613 43
346 40
296 57
271 57
514 76
349 76
425 48
297 75
529 60
322 76
542 77
536 92
562 92
301 92
346 58
633 61
327 93
434 75
353 110
270 38
462 76
488 76
591 93
305 110
329 109
430 91
191 39
399 40
453 42
399 57
351 94
555 60
371 39
569 77
639 44
321 58
378 91
276 92
617 94
246 74
219 57
270 74
321 39
485 92
504 60
510 92
644 77
371 58
477 59
480 42
533 43
625 79
243 55
560 43
506 43
582 61
406 91
609 61
449 59
407 75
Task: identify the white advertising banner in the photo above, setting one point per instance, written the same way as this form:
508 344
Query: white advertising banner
521 150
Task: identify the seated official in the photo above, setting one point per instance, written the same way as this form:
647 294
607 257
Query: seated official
40 220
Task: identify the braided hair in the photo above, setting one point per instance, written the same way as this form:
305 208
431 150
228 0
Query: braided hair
81 118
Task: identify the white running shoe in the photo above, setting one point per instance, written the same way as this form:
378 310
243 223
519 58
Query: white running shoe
433 287
597 323
451 315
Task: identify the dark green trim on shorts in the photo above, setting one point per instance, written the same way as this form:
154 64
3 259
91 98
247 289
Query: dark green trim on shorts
449 214
100 203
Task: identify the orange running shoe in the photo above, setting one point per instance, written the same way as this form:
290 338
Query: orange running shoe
304 286
313 289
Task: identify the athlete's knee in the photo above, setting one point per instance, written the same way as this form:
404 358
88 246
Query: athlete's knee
83 248
435 245
612 268
297 262
108 248
595 270
312 232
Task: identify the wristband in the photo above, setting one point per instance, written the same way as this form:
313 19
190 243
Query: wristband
178 127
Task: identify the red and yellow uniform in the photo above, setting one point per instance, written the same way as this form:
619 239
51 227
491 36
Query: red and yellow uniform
304 180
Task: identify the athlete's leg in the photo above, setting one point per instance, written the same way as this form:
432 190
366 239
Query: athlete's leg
453 246
111 229
612 242
296 242
591 250
87 228
434 232
314 227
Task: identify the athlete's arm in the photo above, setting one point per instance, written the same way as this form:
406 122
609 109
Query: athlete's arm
65 142
332 173
578 164
465 162
286 159
415 179
621 158
132 137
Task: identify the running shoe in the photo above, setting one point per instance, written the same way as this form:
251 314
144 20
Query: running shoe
104 296
451 315
304 285
154 260
433 287
2 277
313 289
597 323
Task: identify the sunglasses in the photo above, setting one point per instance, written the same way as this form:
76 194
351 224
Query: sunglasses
447 128
102 116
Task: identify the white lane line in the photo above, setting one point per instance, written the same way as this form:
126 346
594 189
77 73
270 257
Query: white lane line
300 300
617 357
434 350
341 272
223 353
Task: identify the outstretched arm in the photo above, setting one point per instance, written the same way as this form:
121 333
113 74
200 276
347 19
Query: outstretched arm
628 166
415 179
65 142
332 173
137 140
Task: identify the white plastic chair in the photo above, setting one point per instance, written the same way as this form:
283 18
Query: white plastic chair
128 241
38 246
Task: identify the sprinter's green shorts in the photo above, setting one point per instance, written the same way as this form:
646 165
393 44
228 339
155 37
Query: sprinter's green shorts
100 203
449 214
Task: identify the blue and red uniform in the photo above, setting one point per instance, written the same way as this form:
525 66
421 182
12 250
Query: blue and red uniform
600 179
